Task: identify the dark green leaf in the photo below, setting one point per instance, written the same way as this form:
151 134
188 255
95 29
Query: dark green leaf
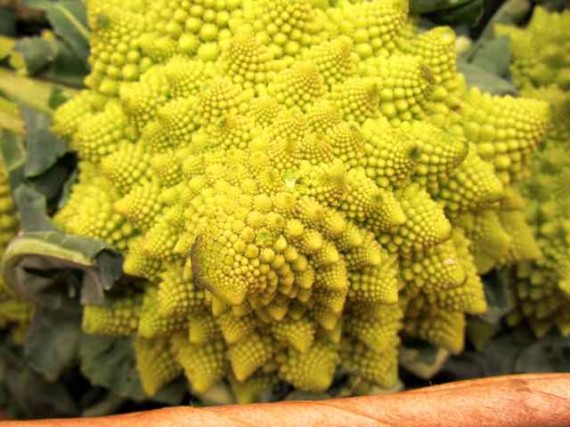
69 21
558 5
38 53
422 359
480 332
57 265
510 12
3 391
43 148
454 13
41 165
550 354
499 299
66 188
429 6
110 362
492 55
57 98
32 396
512 351
14 155
52 60
53 340
32 209
305 395
173 393
7 22
484 80
52 182
107 406
497 358
48 163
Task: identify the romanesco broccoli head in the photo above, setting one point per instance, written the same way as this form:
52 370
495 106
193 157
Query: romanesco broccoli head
542 286
291 179
540 51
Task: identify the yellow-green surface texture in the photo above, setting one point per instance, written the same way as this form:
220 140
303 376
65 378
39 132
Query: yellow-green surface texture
298 183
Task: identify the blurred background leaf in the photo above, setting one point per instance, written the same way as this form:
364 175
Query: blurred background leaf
35 262
68 19
487 81
110 362
7 22
449 12
49 59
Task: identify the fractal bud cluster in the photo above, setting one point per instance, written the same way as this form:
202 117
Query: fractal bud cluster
295 185
542 287
15 313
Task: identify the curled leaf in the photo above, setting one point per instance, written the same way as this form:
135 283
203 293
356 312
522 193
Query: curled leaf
49 267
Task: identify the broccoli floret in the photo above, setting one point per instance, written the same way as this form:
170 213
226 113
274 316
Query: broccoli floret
291 179
541 284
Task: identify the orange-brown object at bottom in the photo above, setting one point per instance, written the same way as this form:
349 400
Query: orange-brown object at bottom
521 400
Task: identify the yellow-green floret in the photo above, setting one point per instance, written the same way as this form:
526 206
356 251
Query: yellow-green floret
540 51
290 178
15 313
542 287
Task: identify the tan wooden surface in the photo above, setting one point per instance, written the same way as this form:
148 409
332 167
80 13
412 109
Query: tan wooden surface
541 400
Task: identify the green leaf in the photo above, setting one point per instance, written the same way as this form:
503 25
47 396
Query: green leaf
37 53
298 395
429 6
7 22
66 188
3 367
486 81
423 360
14 156
32 396
558 5
480 332
110 362
480 329
43 148
450 12
32 209
6 46
48 163
550 354
498 296
53 340
218 394
42 164
69 21
468 14
492 55
107 406
52 183
49 266
24 90
510 12
51 60
58 97
512 351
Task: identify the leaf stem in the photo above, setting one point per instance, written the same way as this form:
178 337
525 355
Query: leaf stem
31 92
